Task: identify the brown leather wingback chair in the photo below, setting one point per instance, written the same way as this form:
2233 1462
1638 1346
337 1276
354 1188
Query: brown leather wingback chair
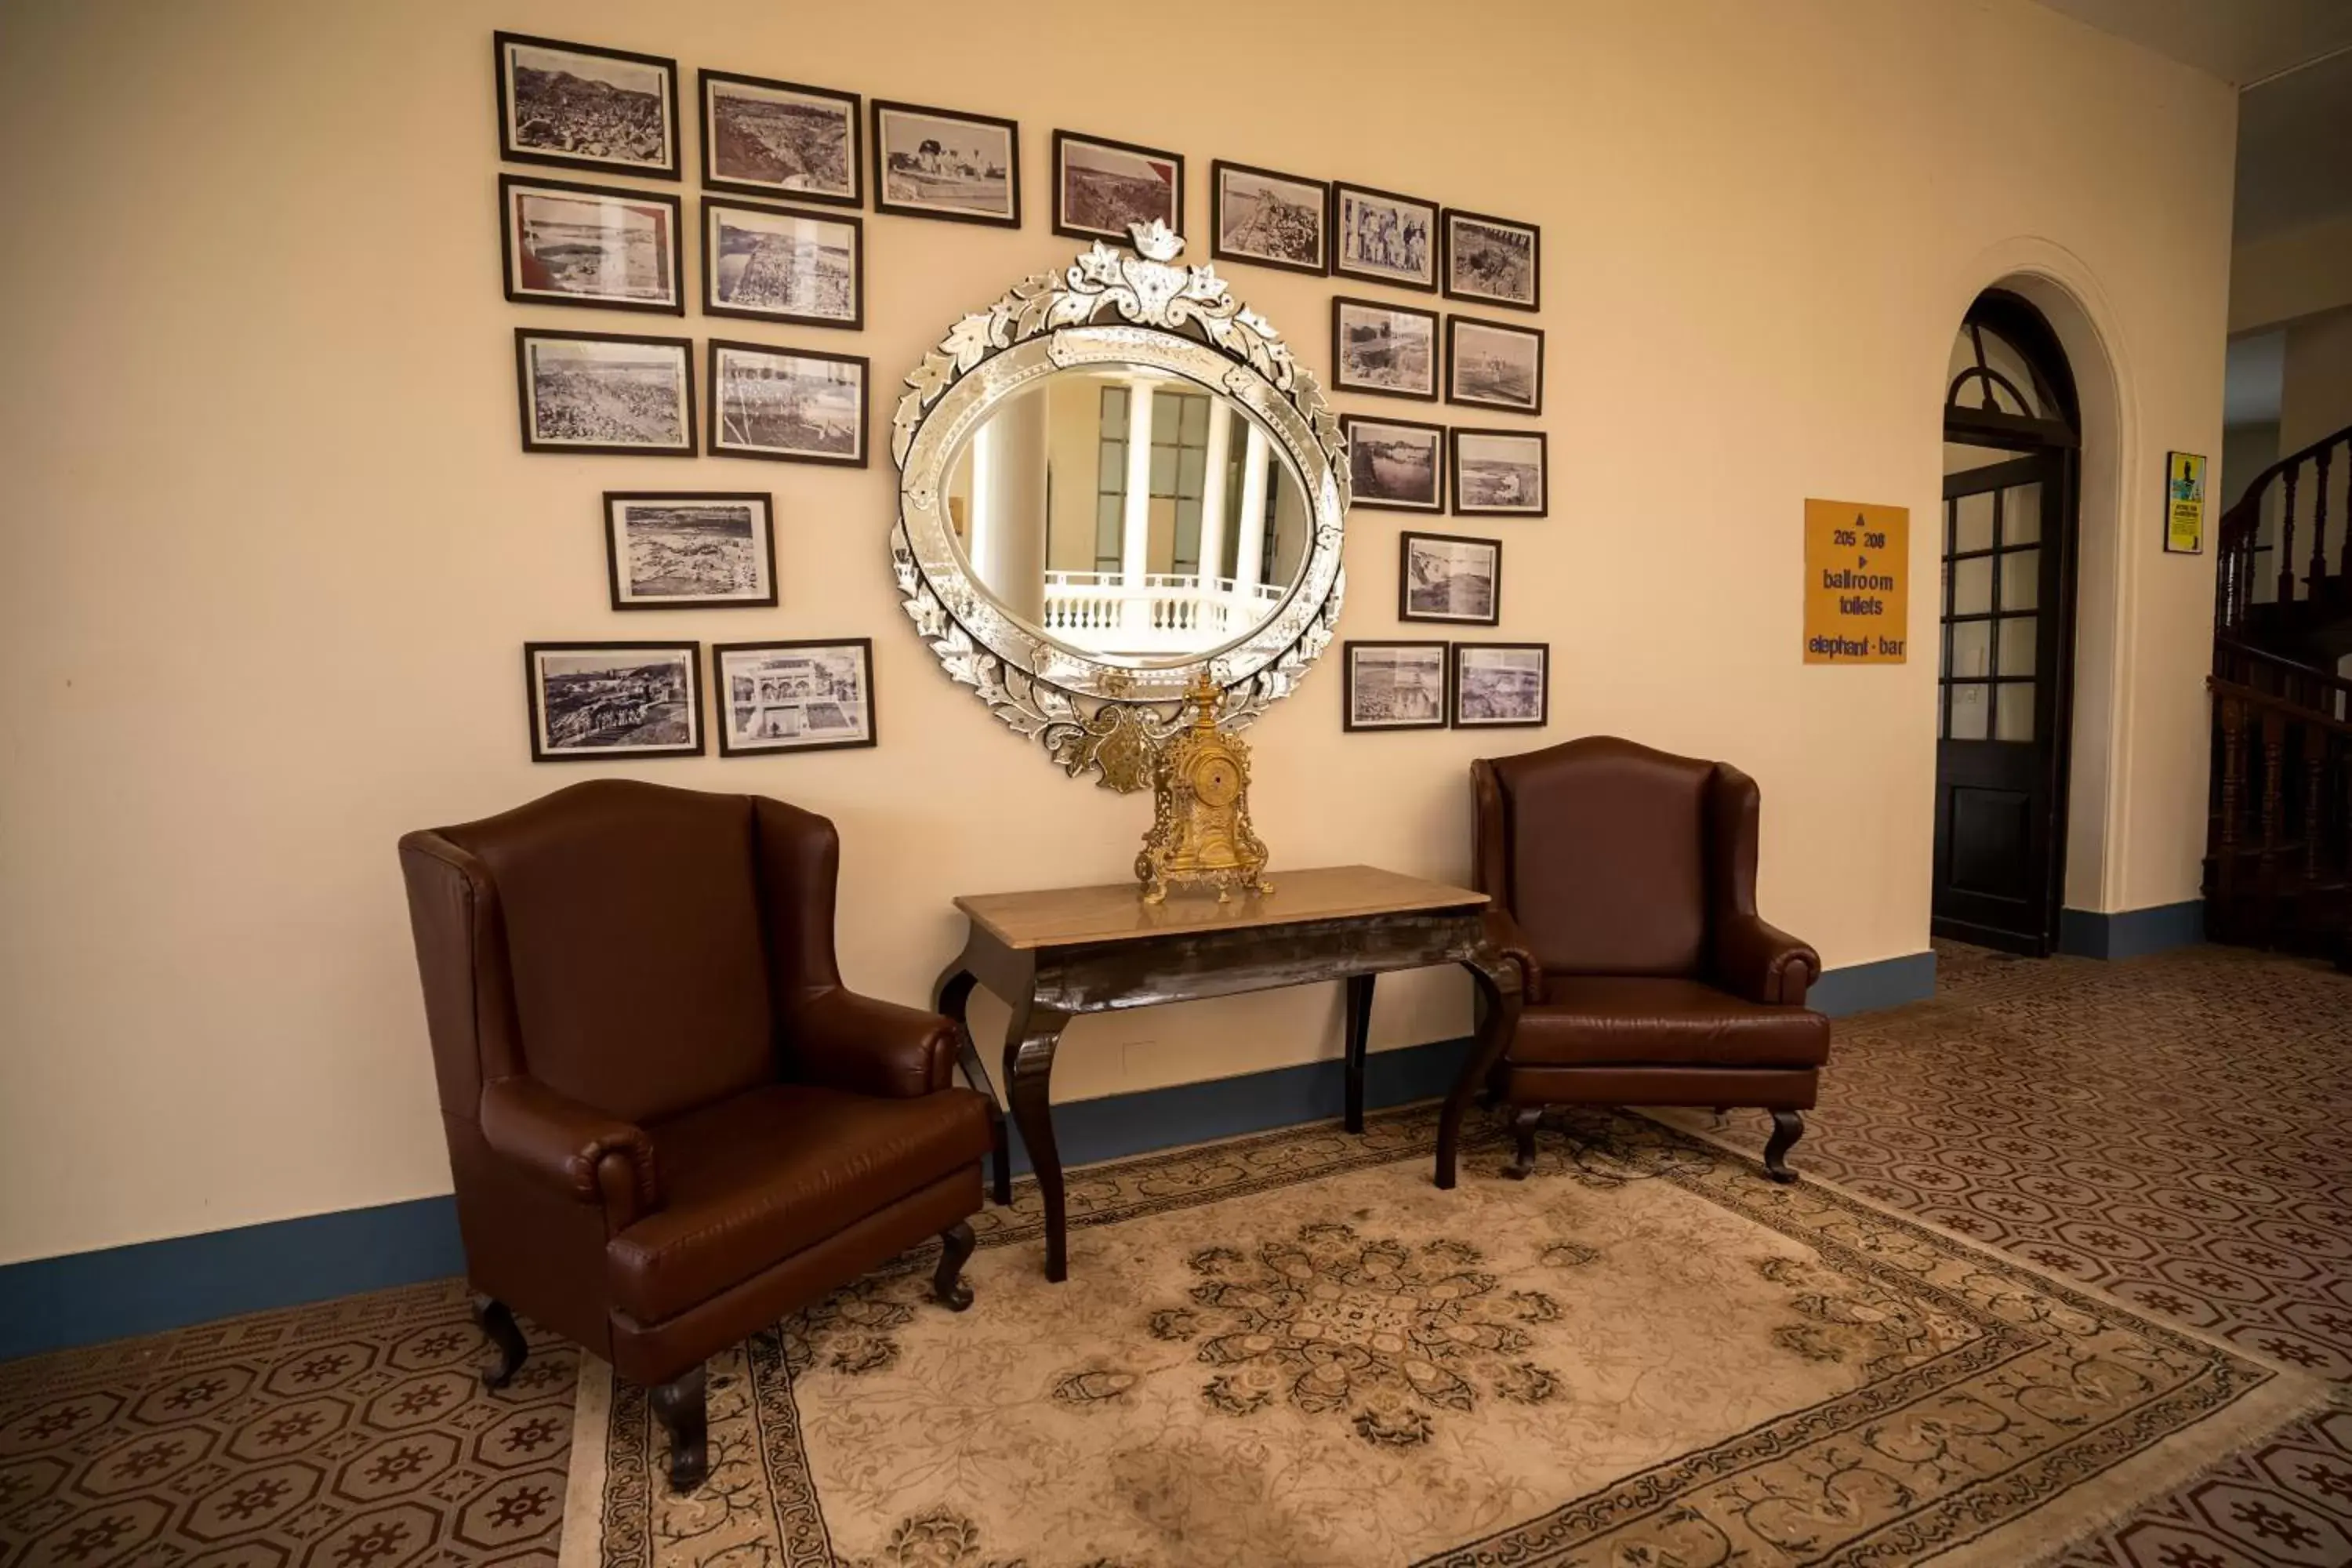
1624 884
669 1123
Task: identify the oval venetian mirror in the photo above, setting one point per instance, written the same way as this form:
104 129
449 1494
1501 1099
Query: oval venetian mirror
1113 479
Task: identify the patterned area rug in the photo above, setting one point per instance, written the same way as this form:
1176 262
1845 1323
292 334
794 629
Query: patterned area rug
1294 1349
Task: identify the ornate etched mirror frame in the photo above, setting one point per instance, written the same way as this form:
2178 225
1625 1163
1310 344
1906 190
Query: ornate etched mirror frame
1110 307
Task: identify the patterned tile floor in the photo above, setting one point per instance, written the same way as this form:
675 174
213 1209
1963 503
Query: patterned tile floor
2173 1130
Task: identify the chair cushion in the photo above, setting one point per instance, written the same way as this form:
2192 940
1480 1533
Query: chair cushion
1591 1021
757 1177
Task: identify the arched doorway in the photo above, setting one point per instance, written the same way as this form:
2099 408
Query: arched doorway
2005 687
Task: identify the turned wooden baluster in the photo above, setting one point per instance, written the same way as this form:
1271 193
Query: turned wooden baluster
2287 539
2273 763
2233 775
2314 763
2319 525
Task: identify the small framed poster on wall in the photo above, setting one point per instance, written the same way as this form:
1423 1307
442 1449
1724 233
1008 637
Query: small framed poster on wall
2184 503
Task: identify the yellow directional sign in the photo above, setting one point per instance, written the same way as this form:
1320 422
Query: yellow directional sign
2184 503
1856 560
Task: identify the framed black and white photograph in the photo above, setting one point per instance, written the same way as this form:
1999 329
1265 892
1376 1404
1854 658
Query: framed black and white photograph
794 406
597 700
1490 365
690 550
809 696
1101 187
936 163
777 264
586 107
764 138
1394 685
1383 238
1391 349
1502 685
1499 473
1442 577
1395 465
1493 261
1268 219
589 244
605 392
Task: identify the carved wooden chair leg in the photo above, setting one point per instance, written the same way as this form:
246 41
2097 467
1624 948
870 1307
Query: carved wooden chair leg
681 1406
956 1243
1788 1126
1523 1131
505 1337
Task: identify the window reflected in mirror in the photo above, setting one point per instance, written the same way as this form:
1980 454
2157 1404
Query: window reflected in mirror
1130 513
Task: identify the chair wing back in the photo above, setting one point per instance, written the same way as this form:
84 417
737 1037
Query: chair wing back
1598 848
629 929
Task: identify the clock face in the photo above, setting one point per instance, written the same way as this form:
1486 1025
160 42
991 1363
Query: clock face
1217 781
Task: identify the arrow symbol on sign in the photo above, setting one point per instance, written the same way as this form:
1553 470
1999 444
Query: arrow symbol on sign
1862 561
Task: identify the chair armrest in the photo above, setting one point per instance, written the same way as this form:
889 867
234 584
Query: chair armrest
1762 963
1509 941
866 1046
597 1158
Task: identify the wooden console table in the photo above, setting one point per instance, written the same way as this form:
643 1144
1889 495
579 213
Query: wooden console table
1058 953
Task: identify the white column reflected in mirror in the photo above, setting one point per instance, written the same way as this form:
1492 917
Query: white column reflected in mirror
1135 534
1249 540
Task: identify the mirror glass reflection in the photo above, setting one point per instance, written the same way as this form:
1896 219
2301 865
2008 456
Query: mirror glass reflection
1130 513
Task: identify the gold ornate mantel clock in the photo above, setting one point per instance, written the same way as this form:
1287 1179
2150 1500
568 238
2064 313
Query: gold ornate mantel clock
1201 834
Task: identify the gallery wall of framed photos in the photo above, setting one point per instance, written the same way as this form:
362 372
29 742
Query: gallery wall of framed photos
327 511
785 170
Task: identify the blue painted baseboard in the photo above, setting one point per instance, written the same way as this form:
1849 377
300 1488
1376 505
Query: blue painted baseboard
50 1303
2129 933
1866 987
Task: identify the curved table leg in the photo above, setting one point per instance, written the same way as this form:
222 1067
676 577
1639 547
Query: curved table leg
951 997
1497 978
1029 1042
1358 1033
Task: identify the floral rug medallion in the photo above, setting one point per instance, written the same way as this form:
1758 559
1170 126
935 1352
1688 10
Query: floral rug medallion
1294 1349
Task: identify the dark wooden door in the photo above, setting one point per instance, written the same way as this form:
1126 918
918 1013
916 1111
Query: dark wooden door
2003 700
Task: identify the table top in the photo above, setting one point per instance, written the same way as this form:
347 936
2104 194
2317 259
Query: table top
1056 917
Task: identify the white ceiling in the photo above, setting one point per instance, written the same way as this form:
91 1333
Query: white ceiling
2240 41
2294 149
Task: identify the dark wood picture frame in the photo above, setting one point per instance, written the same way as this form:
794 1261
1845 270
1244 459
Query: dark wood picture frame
723 698
1437 507
766 546
855 118
534 695
1348 649
1339 306
1405 612
1453 392
1534 302
510 253
1218 169
1543 471
717 448
878 108
526 336
1173 217
1454 684
511 153
713 206
1387 279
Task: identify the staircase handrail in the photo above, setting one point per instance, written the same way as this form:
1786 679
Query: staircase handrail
2241 523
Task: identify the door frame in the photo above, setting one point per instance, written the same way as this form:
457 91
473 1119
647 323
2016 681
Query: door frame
2014 317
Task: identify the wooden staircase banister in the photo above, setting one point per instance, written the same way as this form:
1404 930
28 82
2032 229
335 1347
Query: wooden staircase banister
2239 536
2278 848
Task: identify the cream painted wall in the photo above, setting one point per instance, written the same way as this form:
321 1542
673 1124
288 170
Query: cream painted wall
272 546
2290 274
